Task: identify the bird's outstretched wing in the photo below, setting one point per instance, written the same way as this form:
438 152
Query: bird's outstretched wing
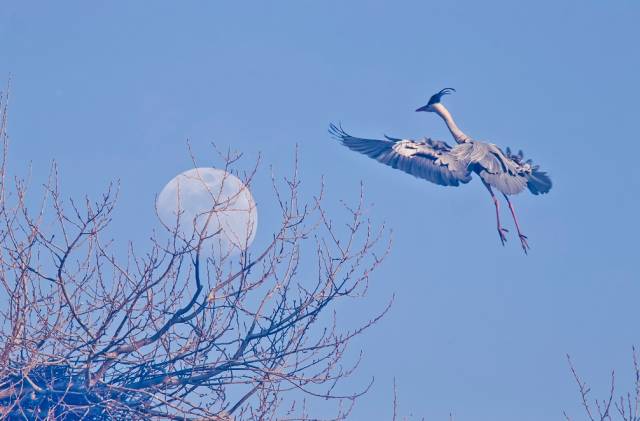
428 159
507 172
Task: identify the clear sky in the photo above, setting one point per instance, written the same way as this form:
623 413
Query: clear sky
113 90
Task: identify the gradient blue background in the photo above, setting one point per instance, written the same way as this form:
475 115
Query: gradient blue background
113 90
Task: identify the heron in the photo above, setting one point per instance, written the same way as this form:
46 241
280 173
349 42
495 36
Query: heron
438 162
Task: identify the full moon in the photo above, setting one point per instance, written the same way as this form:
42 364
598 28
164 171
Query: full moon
211 200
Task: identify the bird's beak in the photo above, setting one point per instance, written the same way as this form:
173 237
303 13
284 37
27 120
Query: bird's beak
423 108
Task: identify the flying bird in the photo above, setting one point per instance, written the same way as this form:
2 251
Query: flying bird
440 163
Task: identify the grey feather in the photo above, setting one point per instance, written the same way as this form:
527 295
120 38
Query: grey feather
430 159
507 172
538 182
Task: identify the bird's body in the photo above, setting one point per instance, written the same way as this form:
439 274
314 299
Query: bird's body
440 163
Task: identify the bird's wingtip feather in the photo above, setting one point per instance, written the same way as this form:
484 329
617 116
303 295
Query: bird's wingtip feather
337 131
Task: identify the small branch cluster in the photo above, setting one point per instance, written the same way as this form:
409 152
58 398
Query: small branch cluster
625 408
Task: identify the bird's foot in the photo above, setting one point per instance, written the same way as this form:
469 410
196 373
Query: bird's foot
523 242
503 237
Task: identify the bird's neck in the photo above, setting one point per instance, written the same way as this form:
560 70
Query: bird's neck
457 134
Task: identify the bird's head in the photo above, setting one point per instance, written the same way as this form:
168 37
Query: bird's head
435 99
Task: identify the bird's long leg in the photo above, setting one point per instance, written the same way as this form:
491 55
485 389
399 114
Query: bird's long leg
501 231
523 238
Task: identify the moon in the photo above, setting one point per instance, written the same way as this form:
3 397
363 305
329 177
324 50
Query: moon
211 200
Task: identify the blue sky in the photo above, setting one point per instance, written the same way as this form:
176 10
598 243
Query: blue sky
112 91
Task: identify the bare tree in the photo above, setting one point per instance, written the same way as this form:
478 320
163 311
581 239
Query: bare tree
91 331
626 407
